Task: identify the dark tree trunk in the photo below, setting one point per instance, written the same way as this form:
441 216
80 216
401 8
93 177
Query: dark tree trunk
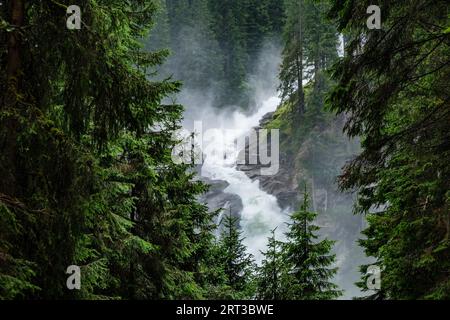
10 98
301 94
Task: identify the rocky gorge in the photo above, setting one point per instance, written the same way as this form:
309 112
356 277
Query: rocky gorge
297 172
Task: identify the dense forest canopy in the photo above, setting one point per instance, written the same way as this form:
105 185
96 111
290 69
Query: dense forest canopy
394 85
87 122
215 44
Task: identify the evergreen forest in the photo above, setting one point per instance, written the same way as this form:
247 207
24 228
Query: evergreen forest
93 92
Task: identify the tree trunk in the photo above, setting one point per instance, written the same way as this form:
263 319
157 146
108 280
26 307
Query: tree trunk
299 62
313 193
13 63
10 98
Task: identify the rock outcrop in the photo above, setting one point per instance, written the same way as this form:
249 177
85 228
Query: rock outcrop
334 208
282 185
216 198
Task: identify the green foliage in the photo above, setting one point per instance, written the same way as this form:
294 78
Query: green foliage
86 137
228 22
272 278
196 57
393 85
238 265
17 274
299 268
309 259
310 47
85 160
215 44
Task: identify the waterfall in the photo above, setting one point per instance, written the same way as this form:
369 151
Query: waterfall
261 212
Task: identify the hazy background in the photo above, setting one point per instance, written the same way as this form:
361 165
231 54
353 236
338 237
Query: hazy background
199 60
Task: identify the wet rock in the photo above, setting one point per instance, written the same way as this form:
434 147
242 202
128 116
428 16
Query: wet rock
281 184
216 198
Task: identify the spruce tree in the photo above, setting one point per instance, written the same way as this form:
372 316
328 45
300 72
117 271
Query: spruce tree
309 260
320 41
393 89
292 67
228 28
238 265
276 12
85 160
272 274
159 37
310 47
196 57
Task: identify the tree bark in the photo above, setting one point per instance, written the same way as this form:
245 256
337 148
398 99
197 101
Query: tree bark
13 72
301 94
8 168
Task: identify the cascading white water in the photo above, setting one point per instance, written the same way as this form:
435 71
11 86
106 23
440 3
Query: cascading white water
261 212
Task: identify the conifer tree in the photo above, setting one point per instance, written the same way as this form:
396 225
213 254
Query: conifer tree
238 265
228 27
321 42
393 89
196 57
276 12
310 47
85 160
309 260
292 67
272 275
159 37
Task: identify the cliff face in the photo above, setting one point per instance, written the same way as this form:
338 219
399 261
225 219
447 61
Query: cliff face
216 198
312 156
313 150
283 184
306 162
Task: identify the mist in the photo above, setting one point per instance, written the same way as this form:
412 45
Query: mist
202 95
